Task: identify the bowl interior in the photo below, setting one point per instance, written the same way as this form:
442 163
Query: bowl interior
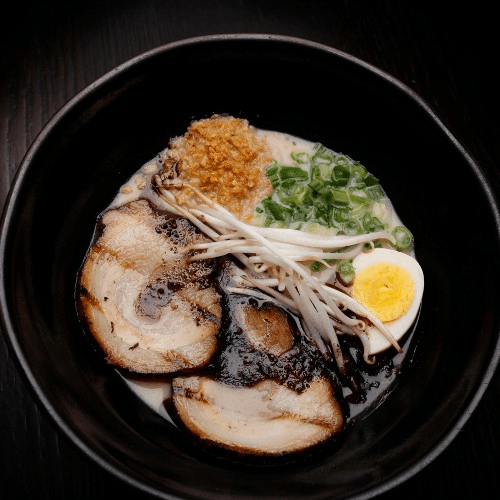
100 139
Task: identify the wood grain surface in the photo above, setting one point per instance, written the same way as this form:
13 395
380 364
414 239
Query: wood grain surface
49 51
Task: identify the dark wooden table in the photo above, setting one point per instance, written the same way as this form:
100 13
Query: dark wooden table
50 51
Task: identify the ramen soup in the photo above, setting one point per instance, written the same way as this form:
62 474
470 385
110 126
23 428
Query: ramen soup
252 287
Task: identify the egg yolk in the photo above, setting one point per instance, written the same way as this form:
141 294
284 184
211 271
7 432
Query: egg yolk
385 289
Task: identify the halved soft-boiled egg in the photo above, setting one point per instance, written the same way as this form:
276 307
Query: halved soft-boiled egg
390 284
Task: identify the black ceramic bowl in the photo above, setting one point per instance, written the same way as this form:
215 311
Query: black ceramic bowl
103 135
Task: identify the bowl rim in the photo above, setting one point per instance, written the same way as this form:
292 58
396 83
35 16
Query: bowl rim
6 222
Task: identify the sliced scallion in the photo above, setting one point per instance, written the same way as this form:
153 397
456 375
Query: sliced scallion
403 237
346 271
358 172
302 157
292 173
339 198
326 191
316 266
352 228
375 192
340 175
276 210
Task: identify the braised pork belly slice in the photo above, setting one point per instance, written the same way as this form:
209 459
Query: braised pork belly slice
271 393
150 310
265 419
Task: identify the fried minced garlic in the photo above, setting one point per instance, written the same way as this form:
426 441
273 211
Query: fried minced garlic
223 157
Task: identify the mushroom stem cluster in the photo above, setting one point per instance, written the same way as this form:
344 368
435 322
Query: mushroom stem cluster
273 263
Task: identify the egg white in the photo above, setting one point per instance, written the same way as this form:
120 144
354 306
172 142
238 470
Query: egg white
398 327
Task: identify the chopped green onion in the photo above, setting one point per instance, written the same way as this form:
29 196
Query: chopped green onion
323 212
352 228
317 228
371 224
356 211
272 169
326 191
303 213
341 160
358 196
300 157
276 173
403 237
281 224
316 266
370 180
275 210
340 175
292 173
346 271
322 155
316 185
376 193
295 196
358 172
321 172
339 198
341 215
288 183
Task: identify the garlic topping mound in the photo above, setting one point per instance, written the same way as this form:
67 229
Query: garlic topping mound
236 266
224 158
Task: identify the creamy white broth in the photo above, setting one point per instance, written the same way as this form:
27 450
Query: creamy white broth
281 145
152 392
138 186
